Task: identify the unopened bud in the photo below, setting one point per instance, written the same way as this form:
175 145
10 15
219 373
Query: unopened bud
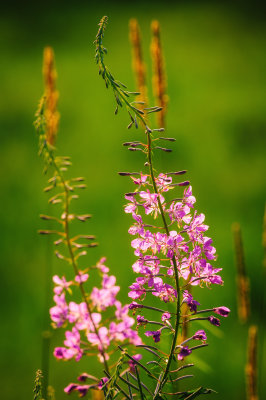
169 139
163 149
134 149
131 194
185 183
128 173
177 173
134 305
158 130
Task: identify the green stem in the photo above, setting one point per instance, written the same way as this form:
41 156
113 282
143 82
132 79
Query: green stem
163 380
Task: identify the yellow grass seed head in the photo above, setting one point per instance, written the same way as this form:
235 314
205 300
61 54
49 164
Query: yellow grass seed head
138 64
159 82
251 366
51 95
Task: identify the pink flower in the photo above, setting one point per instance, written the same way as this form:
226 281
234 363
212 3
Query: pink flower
101 265
141 180
59 313
166 316
200 335
163 182
156 335
81 278
102 339
223 311
187 298
72 348
184 352
188 198
61 284
214 321
105 297
150 203
78 314
132 364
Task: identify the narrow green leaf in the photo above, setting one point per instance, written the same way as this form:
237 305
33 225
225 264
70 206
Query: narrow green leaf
139 383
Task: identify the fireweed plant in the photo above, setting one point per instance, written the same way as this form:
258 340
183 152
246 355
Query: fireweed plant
173 253
95 322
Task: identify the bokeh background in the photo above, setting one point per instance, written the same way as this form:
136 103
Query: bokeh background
216 62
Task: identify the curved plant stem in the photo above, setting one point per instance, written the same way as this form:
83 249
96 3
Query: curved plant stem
164 377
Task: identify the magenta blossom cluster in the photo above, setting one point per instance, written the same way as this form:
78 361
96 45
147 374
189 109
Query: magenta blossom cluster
87 328
185 244
193 251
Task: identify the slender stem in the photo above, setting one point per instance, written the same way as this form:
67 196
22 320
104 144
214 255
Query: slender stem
73 261
163 380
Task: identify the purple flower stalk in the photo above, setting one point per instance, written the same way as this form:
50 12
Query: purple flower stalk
171 257
169 239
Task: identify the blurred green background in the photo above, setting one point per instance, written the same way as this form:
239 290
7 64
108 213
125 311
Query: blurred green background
216 62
